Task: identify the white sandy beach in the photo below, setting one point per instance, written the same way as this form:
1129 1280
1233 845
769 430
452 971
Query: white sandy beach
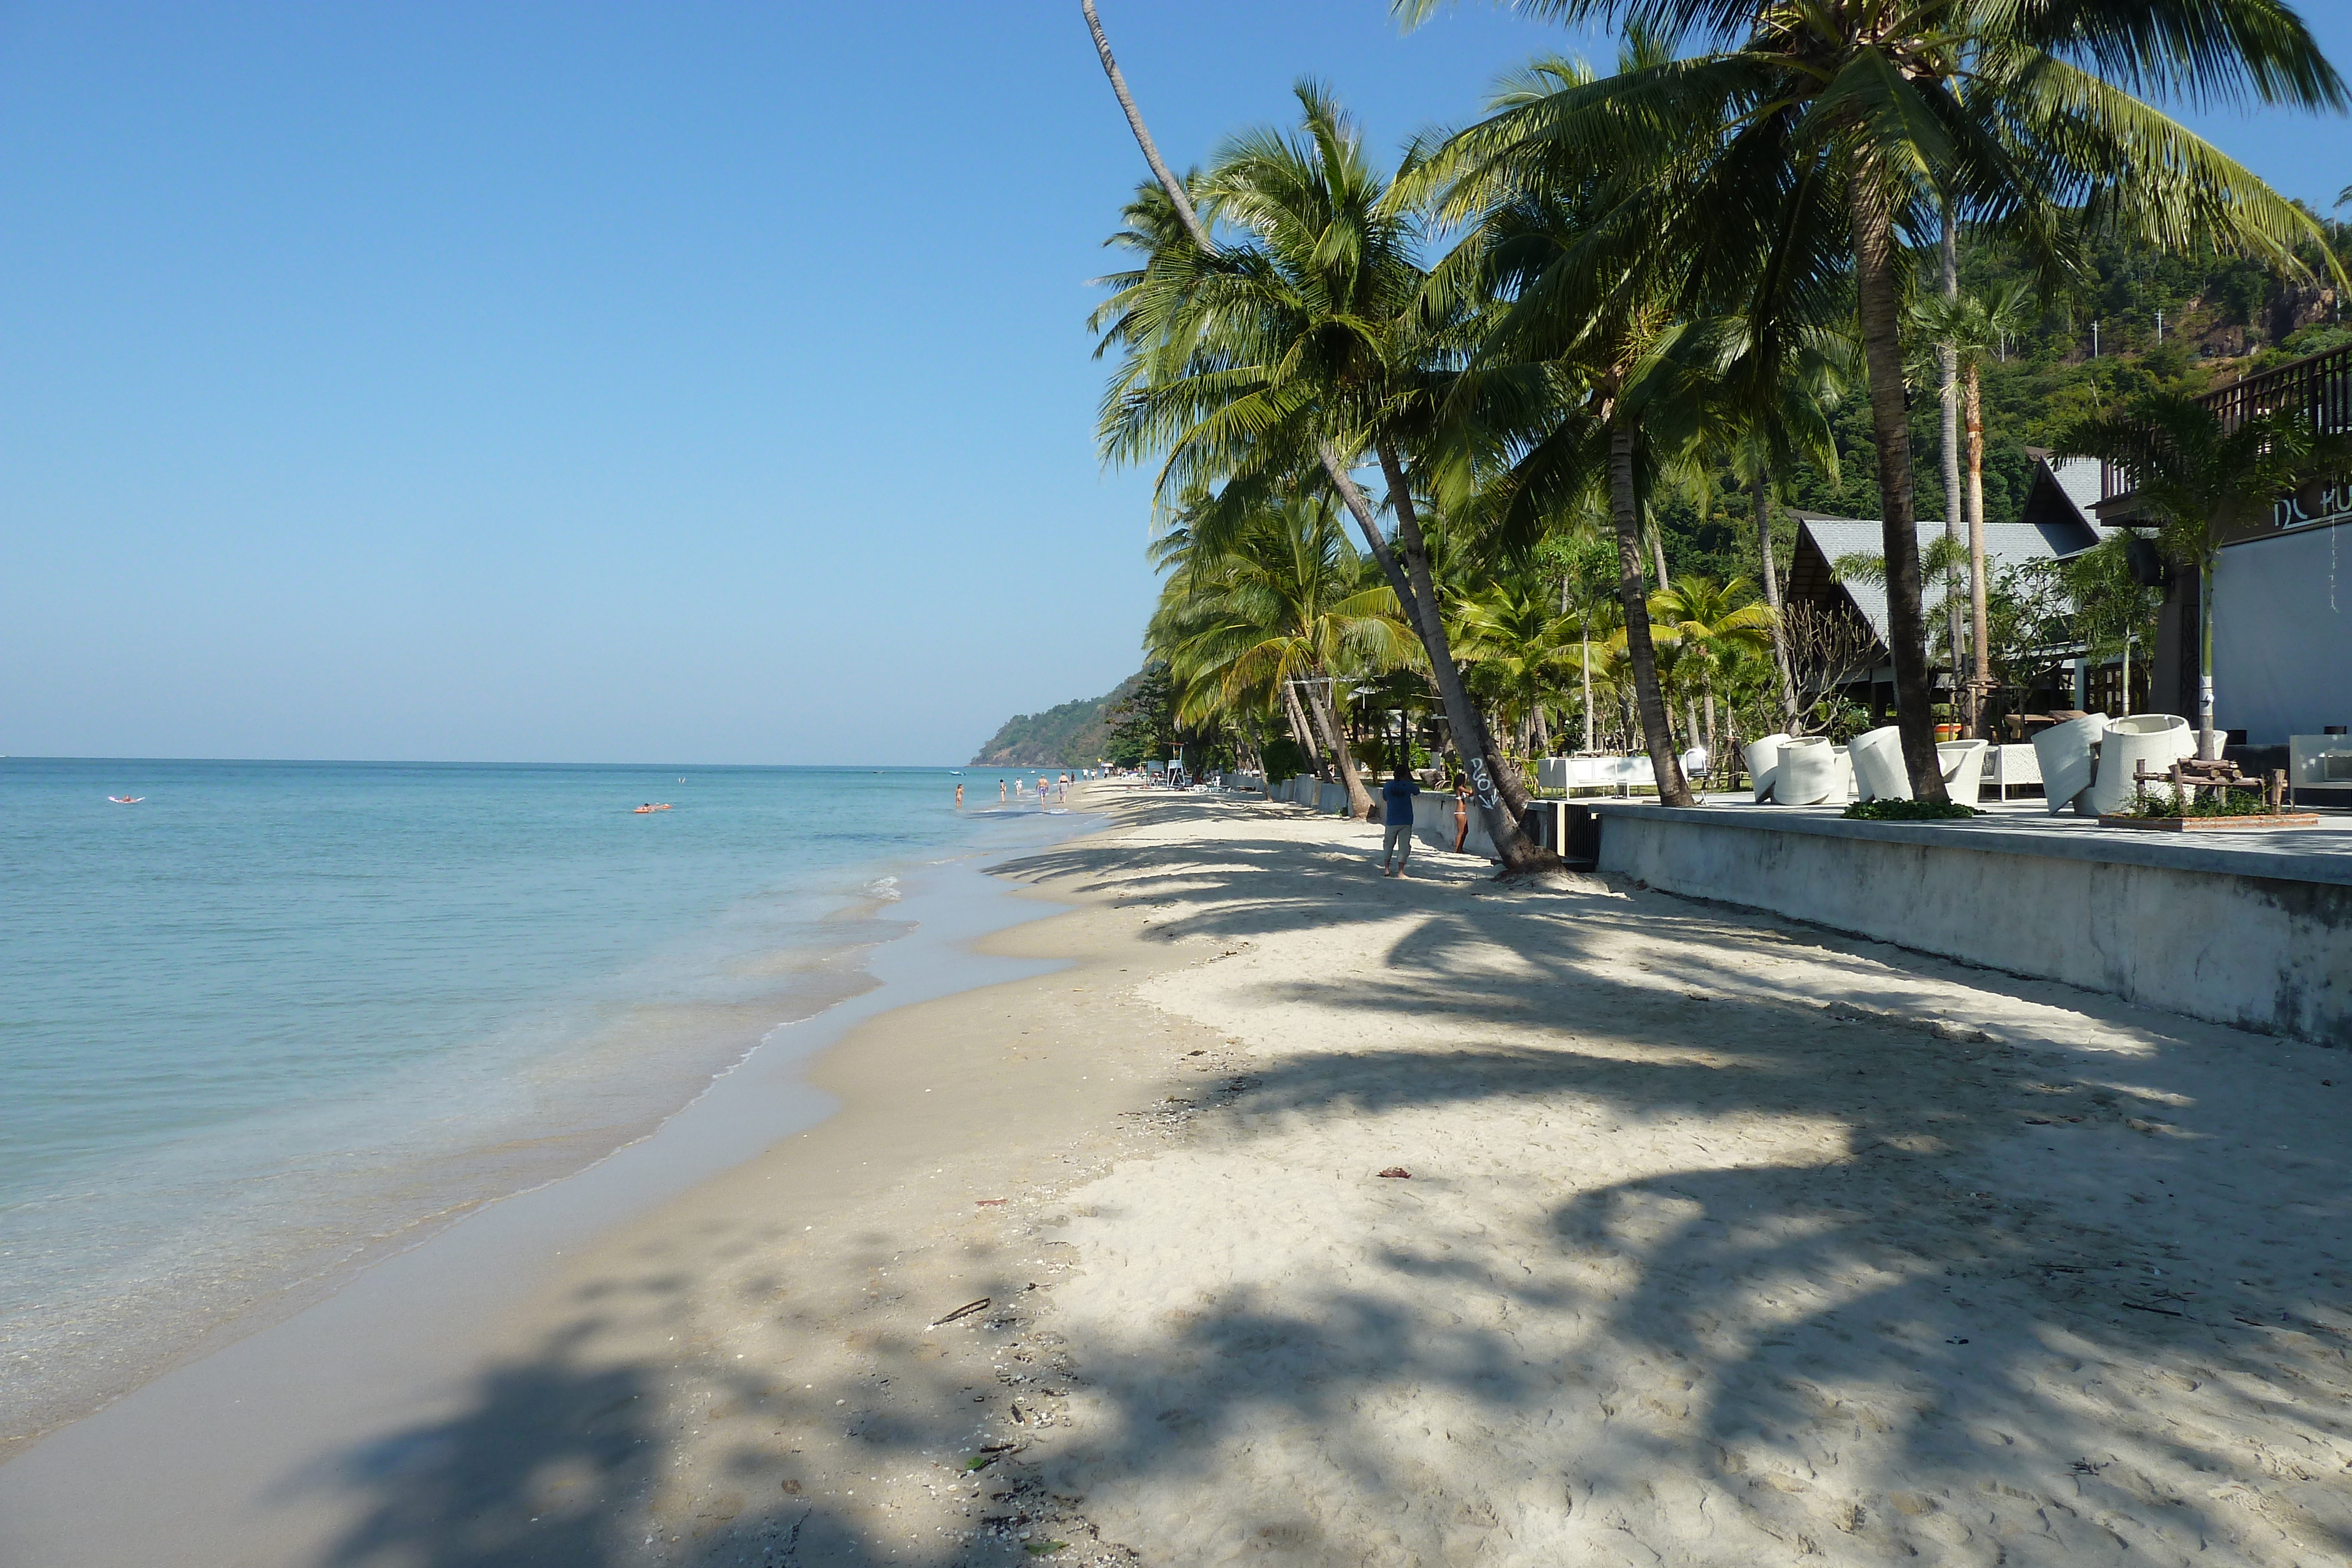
1724 1241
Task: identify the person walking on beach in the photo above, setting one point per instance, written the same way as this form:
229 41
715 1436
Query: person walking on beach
1461 812
1396 810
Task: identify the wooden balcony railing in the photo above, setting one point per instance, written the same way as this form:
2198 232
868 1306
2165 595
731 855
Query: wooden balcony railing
2318 388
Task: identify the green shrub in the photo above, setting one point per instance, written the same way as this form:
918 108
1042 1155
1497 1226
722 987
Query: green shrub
2199 803
1907 810
1284 760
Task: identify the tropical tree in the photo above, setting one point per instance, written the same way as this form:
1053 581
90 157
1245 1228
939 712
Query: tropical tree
1970 329
1572 373
1784 378
1585 566
2109 607
2002 110
2207 481
1279 607
1300 348
1521 649
1719 624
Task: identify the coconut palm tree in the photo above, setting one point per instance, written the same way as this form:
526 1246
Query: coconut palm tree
1279 606
2206 482
2003 111
1970 329
1291 354
1570 378
1586 568
1779 380
1520 647
1715 623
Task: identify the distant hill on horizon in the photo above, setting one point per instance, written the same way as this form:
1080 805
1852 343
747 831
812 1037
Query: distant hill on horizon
1074 735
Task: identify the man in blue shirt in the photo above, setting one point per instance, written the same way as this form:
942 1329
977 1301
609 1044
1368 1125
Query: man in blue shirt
1396 810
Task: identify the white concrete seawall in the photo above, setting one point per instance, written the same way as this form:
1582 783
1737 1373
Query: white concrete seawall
2253 930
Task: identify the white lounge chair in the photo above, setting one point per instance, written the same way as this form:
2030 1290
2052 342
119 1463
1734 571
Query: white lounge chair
1963 766
1764 763
1808 773
2065 753
1878 771
2157 740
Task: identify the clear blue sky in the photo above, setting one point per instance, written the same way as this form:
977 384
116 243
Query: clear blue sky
613 382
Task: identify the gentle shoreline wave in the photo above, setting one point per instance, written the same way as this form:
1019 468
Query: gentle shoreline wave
222 1113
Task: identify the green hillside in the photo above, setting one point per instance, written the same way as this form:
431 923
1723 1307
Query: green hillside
1074 735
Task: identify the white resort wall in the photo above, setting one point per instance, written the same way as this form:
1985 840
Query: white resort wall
2258 936
2283 635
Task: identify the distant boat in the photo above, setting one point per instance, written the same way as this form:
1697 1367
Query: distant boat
126 800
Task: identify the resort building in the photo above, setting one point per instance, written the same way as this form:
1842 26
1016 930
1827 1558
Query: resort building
2281 594
2055 523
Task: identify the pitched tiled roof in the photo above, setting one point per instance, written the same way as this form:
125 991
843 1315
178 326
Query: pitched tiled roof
2005 543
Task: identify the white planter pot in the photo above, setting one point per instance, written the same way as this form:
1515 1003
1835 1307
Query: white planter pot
1963 765
1764 763
1878 771
2157 739
1807 774
2063 754
1846 774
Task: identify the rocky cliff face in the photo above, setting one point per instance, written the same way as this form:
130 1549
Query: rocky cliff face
1072 734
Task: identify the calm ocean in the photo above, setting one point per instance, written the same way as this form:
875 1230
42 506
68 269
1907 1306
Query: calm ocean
278 1019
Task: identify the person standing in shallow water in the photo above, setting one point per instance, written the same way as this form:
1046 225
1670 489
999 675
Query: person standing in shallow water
958 795
1396 810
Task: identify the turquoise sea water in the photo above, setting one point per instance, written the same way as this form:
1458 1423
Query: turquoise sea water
279 1018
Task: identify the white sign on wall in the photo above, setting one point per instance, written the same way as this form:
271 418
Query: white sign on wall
2314 508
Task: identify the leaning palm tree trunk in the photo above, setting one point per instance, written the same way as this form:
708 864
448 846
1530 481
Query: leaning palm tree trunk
1416 594
1518 854
1301 731
1657 735
1906 621
1508 804
1183 204
1319 702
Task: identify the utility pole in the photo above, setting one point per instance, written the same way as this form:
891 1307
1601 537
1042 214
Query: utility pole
2159 323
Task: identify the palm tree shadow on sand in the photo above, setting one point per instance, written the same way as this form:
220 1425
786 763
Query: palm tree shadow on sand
1906 1330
